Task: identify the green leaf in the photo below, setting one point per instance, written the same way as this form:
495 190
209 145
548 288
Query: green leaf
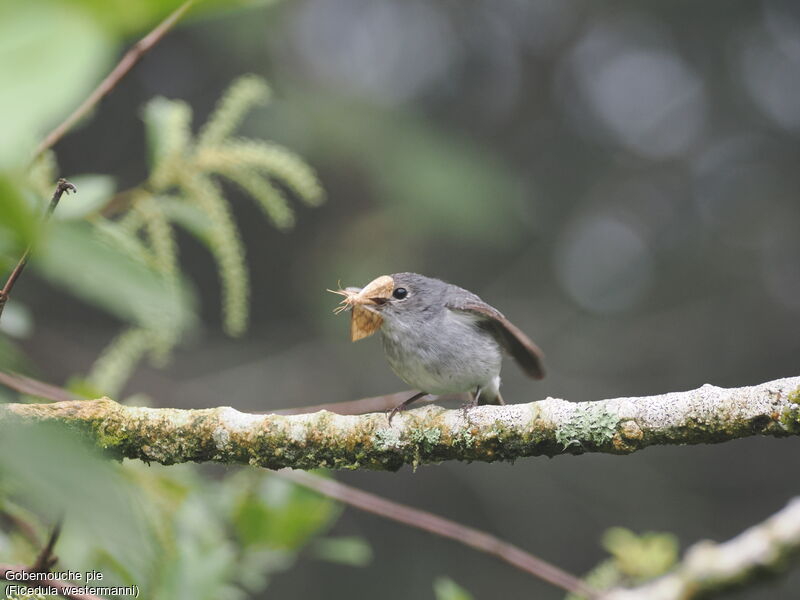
51 54
127 18
604 576
94 192
98 502
279 514
83 388
352 551
641 556
18 223
447 589
106 276
204 557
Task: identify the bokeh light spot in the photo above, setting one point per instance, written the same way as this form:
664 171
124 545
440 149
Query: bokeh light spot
604 264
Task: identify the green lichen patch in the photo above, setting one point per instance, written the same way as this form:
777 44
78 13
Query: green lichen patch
464 439
790 418
593 423
426 439
794 396
386 439
503 440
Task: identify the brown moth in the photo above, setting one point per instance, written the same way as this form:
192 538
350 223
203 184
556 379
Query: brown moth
363 323
363 320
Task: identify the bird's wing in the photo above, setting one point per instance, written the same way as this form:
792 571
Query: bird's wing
527 354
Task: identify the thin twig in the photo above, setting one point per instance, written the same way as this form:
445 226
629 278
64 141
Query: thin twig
62 186
128 61
352 407
58 584
27 530
33 387
45 561
420 519
40 389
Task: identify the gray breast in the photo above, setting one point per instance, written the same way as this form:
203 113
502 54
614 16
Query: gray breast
446 354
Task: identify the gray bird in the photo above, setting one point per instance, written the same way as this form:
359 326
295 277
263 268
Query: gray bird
440 338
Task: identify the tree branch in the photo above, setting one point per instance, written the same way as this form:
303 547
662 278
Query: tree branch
420 519
426 435
709 569
34 387
46 560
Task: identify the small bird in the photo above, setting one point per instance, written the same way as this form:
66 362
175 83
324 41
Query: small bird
439 338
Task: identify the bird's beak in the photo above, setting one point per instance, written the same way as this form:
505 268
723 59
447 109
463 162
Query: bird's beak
365 304
376 292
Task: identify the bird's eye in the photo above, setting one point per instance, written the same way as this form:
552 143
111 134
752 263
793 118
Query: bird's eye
400 293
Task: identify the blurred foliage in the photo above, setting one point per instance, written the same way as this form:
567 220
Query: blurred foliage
447 589
126 18
33 33
174 533
259 523
352 551
18 225
423 190
634 559
642 556
180 170
170 531
549 143
463 190
128 264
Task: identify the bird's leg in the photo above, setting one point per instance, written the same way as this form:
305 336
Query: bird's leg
472 402
404 405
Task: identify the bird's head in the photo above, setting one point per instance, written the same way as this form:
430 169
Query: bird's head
402 296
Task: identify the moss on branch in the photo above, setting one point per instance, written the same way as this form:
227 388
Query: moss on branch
426 435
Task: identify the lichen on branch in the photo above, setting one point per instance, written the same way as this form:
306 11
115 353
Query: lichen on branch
426 435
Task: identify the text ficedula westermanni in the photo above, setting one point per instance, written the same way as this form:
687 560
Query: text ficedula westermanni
439 338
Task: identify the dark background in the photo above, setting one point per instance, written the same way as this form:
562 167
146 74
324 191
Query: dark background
619 178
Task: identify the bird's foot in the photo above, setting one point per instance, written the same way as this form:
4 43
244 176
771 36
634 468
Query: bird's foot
404 405
471 403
